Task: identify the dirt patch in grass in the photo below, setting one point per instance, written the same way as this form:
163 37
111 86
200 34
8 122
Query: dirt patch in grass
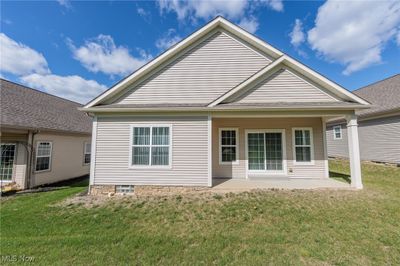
206 195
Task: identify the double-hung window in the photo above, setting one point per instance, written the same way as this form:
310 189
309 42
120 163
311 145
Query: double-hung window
228 140
87 153
43 156
303 146
151 146
337 132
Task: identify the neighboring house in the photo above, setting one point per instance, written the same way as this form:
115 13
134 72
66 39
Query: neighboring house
219 104
379 127
44 138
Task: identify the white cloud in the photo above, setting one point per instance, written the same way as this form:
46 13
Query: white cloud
65 3
74 87
169 39
249 24
276 5
102 55
19 59
354 33
146 15
232 9
297 35
32 69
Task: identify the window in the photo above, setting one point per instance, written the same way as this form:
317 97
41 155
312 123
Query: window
87 153
228 152
303 145
151 146
123 189
337 132
7 152
43 156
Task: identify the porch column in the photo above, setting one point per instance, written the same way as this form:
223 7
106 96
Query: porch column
93 152
209 125
354 151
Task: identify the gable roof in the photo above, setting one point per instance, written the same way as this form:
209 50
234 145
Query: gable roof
280 59
26 108
384 95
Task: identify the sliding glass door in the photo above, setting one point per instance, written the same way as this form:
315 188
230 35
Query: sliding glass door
266 152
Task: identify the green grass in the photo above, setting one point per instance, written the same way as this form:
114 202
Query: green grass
272 227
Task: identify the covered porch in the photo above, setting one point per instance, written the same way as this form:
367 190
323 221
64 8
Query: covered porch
279 150
224 185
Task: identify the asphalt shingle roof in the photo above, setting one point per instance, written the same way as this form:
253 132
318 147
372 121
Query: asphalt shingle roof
383 95
23 107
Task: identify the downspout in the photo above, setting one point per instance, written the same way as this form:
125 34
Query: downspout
30 159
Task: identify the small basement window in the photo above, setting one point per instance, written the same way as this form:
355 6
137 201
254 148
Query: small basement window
124 188
337 132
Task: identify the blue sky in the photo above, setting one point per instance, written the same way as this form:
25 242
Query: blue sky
78 49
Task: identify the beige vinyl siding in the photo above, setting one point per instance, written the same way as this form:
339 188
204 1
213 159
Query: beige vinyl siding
337 147
239 170
199 75
66 158
189 152
285 86
379 140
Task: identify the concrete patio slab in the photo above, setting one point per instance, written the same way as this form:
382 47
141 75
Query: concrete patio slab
239 185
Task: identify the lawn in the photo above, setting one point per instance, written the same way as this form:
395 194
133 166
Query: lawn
271 227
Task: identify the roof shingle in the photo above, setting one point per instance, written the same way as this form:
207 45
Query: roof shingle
24 107
383 95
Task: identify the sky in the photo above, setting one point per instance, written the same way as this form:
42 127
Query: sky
78 49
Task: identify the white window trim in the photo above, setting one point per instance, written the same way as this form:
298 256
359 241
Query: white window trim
85 151
132 166
14 162
263 173
334 133
220 145
50 156
295 162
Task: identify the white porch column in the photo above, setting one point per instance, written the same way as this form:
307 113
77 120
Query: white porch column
354 151
93 152
209 124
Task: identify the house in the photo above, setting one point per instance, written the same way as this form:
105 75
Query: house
379 127
219 104
44 138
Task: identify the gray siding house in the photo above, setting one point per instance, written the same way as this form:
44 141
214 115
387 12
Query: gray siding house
44 138
379 126
219 104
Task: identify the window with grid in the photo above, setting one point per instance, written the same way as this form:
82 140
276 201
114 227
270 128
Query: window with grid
337 132
43 156
228 147
303 145
87 153
7 152
151 145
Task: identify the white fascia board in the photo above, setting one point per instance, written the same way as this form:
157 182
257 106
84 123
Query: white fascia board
216 109
302 69
323 81
247 82
219 21
156 62
250 38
